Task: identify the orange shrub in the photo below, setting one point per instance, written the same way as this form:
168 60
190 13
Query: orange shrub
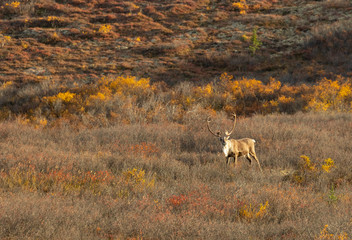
250 213
241 6
326 235
331 95
176 201
145 149
129 85
10 9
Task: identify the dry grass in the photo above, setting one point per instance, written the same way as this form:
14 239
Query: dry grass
170 181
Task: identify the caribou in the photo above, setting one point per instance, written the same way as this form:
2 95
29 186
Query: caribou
235 147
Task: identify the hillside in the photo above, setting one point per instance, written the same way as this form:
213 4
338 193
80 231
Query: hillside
174 41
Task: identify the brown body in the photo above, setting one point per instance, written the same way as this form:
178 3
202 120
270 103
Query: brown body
240 147
236 147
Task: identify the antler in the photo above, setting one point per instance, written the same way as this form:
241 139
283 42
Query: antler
233 127
217 134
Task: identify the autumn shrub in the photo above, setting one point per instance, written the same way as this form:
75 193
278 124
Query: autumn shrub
251 213
105 28
331 95
325 234
10 9
240 6
4 40
317 174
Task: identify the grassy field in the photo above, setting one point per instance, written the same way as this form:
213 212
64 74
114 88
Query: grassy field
103 108
170 181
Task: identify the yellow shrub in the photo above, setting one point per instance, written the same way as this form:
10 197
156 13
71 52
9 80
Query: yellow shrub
6 85
136 178
262 210
105 28
307 163
66 97
310 172
274 103
98 98
42 123
270 106
189 101
330 94
225 77
14 4
345 91
250 213
129 84
53 18
4 40
328 165
245 38
205 91
241 6
247 87
273 86
285 100
325 235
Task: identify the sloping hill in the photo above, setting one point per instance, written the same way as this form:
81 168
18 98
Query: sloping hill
173 41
